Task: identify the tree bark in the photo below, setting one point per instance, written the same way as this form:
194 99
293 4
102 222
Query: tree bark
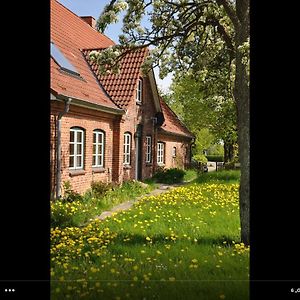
242 98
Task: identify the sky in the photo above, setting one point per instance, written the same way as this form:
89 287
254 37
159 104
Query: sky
94 8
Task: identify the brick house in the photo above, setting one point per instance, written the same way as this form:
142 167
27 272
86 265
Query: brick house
108 128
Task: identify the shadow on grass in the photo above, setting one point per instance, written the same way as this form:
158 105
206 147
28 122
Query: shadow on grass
130 239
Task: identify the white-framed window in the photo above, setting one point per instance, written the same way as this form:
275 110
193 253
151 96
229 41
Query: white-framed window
148 149
139 91
127 148
98 148
76 148
174 152
160 153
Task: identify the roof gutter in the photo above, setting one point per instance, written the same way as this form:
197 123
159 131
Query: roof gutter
94 106
58 150
163 131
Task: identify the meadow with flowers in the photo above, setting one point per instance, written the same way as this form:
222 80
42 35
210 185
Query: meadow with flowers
183 244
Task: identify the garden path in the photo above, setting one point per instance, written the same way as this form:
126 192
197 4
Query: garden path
163 188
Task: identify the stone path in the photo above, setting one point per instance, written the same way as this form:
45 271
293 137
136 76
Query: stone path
163 188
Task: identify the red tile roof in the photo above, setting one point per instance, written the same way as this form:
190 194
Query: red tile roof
172 123
121 87
71 34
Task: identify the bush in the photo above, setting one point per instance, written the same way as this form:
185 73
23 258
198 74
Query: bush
69 194
215 158
173 175
99 188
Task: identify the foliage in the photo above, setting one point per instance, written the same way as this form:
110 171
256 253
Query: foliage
200 158
99 188
216 158
216 149
91 204
172 175
69 194
161 247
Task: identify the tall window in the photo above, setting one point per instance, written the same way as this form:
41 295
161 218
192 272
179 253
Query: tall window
148 149
127 147
160 153
174 151
98 148
76 148
139 91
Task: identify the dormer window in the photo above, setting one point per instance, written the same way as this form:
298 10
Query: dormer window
139 91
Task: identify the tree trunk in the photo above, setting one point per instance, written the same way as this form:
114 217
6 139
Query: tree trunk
242 98
228 152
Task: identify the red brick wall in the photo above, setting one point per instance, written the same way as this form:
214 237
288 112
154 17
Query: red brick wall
89 120
182 158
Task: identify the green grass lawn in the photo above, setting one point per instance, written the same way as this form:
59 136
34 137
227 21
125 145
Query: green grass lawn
183 244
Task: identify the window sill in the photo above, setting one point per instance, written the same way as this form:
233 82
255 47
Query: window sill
161 164
138 102
76 172
126 167
148 164
98 170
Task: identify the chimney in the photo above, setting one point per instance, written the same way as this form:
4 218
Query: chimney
90 20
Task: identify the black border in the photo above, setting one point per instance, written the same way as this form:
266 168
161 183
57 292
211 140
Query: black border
274 263
25 207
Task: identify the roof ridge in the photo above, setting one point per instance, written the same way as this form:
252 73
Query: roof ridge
83 21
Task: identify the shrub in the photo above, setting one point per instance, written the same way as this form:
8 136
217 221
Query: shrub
69 194
173 175
215 158
99 188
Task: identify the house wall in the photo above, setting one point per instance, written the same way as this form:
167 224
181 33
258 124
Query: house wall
114 128
182 158
89 120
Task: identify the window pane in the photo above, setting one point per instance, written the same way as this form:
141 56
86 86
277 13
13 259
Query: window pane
79 136
94 160
79 148
71 136
94 149
71 149
99 149
71 162
78 161
100 160
94 137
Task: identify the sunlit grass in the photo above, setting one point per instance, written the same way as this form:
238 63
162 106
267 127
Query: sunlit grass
183 244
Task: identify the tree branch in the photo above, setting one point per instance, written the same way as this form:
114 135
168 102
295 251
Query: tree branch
230 12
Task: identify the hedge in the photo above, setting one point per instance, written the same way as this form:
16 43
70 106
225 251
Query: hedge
215 158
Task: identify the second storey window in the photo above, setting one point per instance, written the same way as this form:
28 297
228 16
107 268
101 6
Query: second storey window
160 153
148 149
127 148
98 148
76 148
139 91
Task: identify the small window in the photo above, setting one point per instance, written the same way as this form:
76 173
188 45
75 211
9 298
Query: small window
127 148
61 60
174 152
160 153
148 149
139 91
76 157
98 148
